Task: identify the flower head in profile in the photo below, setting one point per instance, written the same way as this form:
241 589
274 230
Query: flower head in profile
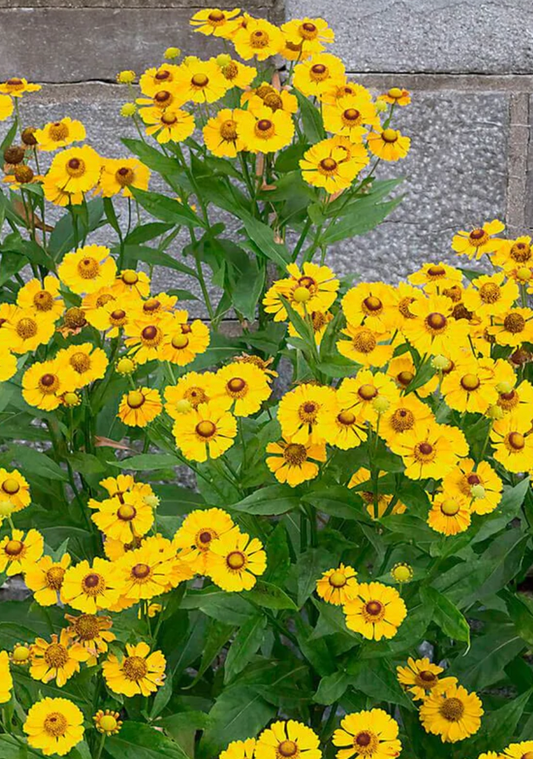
453 714
91 633
522 750
54 725
216 22
17 86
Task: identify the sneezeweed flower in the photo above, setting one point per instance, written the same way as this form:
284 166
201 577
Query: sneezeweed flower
139 407
287 739
420 677
513 253
327 165
56 660
14 488
45 579
479 240
372 304
183 341
311 288
200 81
43 384
107 722
8 365
430 450
44 297
351 116
206 431
18 86
144 335
266 95
86 361
125 366
241 388
471 386
222 133
258 39
522 750
377 612
239 750
119 174
513 442
88 269
478 484
194 539
54 725
490 295
340 426
59 134
512 327
311 35
18 552
298 412
6 107
169 125
402 573
144 573
75 170
138 672
359 394
317 75
437 276
433 330
453 714
90 633
372 734
216 22
396 96
388 144
402 416
236 561
236 73
126 77
90 587
189 391
132 283
266 131
336 586
6 681
26 330
123 518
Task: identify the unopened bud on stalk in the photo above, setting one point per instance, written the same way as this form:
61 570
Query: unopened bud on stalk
380 106
171 53
71 399
440 363
126 365
381 404
223 60
126 77
183 406
128 110
495 412
504 387
524 273
151 500
6 508
477 491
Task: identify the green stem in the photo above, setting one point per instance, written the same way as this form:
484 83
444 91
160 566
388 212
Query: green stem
100 747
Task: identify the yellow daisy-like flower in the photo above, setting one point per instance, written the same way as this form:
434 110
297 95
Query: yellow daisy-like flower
18 552
365 346
170 98
75 170
317 75
55 660
289 739
294 463
359 394
367 735
26 330
388 144
402 416
195 537
107 722
478 484
206 431
434 330
339 426
271 97
372 304
453 714
189 391
44 298
111 316
336 586
513 253
512 327
15 489
396 96
236 560
45 579
155 79
170 125
479 240
311 35
8 365
239 750
513 442
216 22
88 269
90 632
44 384
241 388
266 131
139 672
119 174
326 165
377 612
237 74
117 487
54 726
430 450
201 81
182 341
145 335
58 134
123 518
449 515
18 86
440 276
470 386
145 573
490 295
139 407
89 588
131 282
258 39
88 362
309 289
377 504
351 116
222 133
6 681
6 107
522 750
59 197
298 412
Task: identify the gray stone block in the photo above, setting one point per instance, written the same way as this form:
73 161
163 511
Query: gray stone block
472 36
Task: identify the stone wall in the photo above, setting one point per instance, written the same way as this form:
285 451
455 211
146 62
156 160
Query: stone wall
469 65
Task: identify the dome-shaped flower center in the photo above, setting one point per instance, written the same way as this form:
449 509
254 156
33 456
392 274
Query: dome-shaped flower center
228 130
129 277
374 608
426 676
216 16
520 252
56 655
236 385
140 571
80 362
21 654
367 392
452 709
10 486
88 268
405 378
395 92
168 119
162 75
93 583
264 128
309 27
200 80
49 383
365 341
75 167
180 341
43 300
27 328
514 323
402 419
127 512
195 396
295 454
351 115
206 429
273 101
389 135
205 537
346 417
58 131
134 668
424 451
371 304
308 411
23 173
162 98
490 292
135 399
477 234
13 547
527 755
301 294
362 739
338 579
435 271
328 165
87 627
436 321
449 507
259 39
318 72
516 441
125 176
287 748
150 333
75 318
108 723
55 724
470 382
54 577
236 560
118 314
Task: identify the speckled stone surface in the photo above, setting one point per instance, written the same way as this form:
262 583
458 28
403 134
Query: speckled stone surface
469 36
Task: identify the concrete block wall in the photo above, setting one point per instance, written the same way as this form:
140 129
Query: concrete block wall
469 66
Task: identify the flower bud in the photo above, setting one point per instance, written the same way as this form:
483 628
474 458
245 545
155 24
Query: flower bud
171 53
381 404
380 106
128 110
495 412
477 491
6 508
440 363
126 77
504 387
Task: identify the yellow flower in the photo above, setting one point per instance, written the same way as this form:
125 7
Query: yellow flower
45 579
201 81
289 739
236 560
107 722
161 78
216 22
190 390
111 316
376 504
471 386
479 240
340 88
377 612
8 365
131 282
266 131
89 588
479 485
58 134
119 174
259 39
439 275
351 116
512 327
358 394
90 632
239 750
88 362
195 537
222 134
6 681
310 288
372 304
15 489
453 714
339 426
19 552
274 99
402 416
515 398
55 660
139 672
402 572
388 144
123 518
509 253
396 96
59 197
336 586
523 750
241 388
128 110
421 677
237 74
44 298
144 335
294 463
139 407
18 86
206 431
54 725
172 125
6 107
182 341
167 99
26 330
311 35
403 371
298 412
430 450
43 384
365 346
317 75
326 165
513 442
75 170
367 735
126 77
146 573
434 330
88 269
490 295
155 307
448 515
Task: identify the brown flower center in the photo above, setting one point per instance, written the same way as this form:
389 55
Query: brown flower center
14 547
365 342
436 322
75 318
374 608
258 39
346 418
520 252
205 429
43 300
10 486
403 419
49 383
308 411
228 130
470 382
80 362
200 80
328 165
236 560
75 167
516 441
295 454
93 584
141 571
236 385
27 328
490 292
125 176
88 268
452 709
126 512
405 378
287 748
319 72
135 399
55 724
87 627
54 577
367 392
514 323
134 668
56 655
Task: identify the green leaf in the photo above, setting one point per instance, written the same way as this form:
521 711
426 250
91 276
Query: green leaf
270 596
311 565
498 727
218 634
154 257
311 119
484 663
153 158
331 688
243 648
272 500
379 682
147 232
167 209
521 612
140 741
447 615
36 463
62 238
337 501
9 748
146 462
365 216
263 237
